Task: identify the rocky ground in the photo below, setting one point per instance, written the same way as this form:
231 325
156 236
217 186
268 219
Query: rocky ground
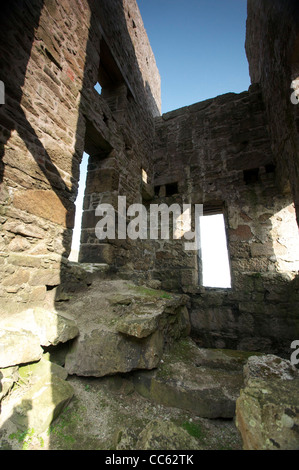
117 370
127 409
107 414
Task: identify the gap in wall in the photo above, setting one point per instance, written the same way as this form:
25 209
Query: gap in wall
98 88
74 255
214 252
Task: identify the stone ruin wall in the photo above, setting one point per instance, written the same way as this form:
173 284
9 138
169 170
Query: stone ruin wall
219 154
223 153
53 54
272 47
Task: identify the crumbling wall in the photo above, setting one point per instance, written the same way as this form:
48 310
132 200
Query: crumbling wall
53 54
218 153
272 47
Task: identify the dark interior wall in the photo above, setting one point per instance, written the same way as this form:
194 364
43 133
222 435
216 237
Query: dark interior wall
51 58
218 153
273 56
237 153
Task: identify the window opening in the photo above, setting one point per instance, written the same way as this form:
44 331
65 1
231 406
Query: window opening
144 176
214 258
74 255
251 176
98 88
171 189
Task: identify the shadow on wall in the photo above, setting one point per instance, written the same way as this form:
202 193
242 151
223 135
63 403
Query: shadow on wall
23 20
10 69
13 74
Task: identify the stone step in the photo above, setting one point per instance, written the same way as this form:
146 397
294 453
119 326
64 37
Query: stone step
206 382
124 327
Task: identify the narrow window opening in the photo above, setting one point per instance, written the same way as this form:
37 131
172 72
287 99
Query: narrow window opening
74 255
98 88
214 258
144 176
171 189
251 176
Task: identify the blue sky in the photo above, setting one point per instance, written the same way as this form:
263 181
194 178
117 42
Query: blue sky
199 48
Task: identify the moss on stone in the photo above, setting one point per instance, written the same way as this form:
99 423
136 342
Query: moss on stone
148 292
194 429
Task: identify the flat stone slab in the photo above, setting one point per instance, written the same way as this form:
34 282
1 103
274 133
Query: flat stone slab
48 325
206 382
23 334
123 327
18 347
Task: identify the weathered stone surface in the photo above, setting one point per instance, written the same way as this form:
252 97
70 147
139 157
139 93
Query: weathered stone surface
261 308
42 403
148 317
270 22
138 327
124 328
8 377
163 435
106 352
54 328
45 204
206 382
18 347
49 326
267 410
44 368
41 394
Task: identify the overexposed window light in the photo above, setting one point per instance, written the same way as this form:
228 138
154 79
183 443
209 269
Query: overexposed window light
79 209
214 253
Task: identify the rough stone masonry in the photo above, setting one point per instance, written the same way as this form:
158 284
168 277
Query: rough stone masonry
236 154
227 153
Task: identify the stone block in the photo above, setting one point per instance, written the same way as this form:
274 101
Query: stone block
124 329
21 276
105 352
45 277
18 347
241 233
46 204
42 403
165 435
47 326
8 377
267 410
96 253
24 259
101 180
205 382
261 249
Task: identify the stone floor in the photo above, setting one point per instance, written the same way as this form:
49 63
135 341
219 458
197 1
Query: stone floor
108 414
